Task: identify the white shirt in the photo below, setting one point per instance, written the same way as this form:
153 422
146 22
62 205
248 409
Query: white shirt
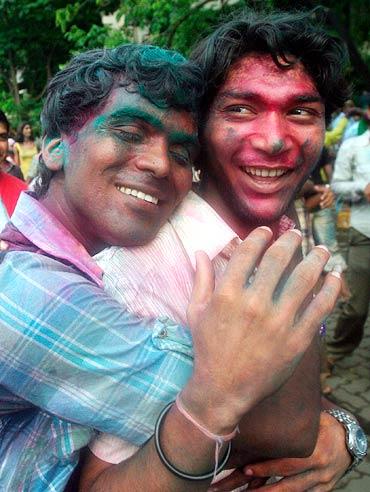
350 177
158 278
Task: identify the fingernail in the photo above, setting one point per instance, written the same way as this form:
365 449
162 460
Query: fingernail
336 274
266 228
248 471
322 246
296 231
337 268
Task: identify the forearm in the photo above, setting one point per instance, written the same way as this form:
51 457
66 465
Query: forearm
349 190
270 430
95 362
184 446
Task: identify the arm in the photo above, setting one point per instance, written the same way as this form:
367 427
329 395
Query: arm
104 388
16 154
270 430
323 198
343 182
320 471
333 136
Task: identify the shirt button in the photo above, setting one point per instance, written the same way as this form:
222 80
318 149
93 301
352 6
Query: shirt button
163 333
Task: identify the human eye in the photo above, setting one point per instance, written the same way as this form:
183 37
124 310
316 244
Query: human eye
182 155
129 133
304 114
239 109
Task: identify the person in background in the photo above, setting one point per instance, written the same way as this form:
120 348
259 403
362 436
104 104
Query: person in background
10 185
351 180
25 148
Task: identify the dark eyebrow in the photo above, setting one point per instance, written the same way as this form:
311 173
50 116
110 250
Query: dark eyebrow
309 98
184 138
135 113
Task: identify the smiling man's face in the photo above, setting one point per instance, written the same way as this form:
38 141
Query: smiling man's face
126 170
264 134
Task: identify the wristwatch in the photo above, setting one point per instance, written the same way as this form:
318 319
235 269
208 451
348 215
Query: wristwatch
356 440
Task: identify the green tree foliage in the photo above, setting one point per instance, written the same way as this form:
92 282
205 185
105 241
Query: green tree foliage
38 36
32 48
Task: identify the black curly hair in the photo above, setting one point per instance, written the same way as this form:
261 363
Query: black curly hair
289 37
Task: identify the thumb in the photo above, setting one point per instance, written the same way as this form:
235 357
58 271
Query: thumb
320 188
204 285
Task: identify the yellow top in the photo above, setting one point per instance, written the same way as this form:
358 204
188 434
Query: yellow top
333 136
25 157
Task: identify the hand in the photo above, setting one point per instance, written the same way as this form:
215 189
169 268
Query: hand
269 323
367 192
318 473
327 196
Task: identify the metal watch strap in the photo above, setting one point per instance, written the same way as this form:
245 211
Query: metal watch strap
346 419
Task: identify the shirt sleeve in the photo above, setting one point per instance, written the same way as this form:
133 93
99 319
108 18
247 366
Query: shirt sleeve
70 349
343 182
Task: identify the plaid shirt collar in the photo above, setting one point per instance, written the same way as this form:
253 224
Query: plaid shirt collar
40 228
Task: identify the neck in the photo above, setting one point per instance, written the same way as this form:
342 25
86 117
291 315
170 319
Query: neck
55 201
241 226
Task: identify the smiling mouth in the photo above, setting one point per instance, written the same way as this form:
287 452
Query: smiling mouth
265 173
138 194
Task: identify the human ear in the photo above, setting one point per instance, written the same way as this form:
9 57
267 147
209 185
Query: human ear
53 153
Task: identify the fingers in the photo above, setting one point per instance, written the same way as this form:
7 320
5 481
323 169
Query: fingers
204 284
275 261
304 278
279 467
257 483
323 303
246 257
231 482
296 483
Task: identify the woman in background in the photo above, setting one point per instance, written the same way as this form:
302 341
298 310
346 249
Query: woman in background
25 148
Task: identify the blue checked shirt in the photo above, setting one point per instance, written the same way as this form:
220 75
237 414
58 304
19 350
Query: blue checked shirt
72 360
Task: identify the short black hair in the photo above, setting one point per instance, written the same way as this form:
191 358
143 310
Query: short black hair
283 35
78 91
163 76
4 120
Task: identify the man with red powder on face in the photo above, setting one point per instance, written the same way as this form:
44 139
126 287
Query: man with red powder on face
10 186
272 81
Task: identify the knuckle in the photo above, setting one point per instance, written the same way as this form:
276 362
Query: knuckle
254 308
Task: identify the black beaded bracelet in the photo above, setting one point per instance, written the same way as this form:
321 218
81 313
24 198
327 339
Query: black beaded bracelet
171 467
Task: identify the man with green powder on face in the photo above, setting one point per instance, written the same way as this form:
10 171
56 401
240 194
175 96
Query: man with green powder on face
72 359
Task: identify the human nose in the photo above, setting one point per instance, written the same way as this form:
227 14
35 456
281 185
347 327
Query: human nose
272 136
156 159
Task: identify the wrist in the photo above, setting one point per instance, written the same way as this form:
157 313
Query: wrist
214 411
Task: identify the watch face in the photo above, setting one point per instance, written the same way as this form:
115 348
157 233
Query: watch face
361 441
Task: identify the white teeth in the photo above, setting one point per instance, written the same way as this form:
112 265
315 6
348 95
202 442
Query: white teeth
138 194
264 173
